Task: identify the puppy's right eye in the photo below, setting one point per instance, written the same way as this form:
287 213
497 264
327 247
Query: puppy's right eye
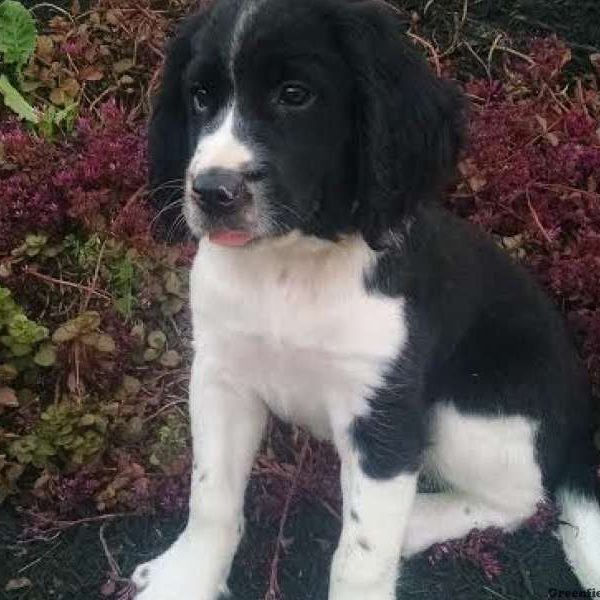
293 94
200 100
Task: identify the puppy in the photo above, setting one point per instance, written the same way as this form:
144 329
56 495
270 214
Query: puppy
311 145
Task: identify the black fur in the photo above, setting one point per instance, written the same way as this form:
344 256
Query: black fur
168 138
485 337
409 123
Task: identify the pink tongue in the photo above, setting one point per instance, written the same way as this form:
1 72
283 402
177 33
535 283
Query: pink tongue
230 238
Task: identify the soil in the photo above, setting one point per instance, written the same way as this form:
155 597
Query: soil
74 565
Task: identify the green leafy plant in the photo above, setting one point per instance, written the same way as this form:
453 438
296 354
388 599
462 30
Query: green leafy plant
121 268
54 121
22 341
84 328
171 441
15 101
64 435
17 34
17 43
123 275
36 244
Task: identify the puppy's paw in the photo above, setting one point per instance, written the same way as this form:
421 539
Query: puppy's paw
184 572
358 575
420 534
352 591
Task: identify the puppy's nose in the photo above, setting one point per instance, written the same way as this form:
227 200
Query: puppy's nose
219 188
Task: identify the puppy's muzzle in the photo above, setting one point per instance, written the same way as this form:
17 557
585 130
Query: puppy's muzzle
219 192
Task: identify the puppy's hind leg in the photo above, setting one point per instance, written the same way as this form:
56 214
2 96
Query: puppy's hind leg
490 464
439 517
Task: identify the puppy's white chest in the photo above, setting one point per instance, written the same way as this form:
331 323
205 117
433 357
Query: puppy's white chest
296 325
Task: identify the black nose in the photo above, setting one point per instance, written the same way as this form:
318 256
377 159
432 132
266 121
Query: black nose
219 189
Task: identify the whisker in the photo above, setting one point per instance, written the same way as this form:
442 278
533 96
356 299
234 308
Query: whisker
175 226
170 206
173 183
267 223
290 210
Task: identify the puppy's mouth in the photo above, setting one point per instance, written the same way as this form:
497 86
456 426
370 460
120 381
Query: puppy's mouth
230 237
225 215
227 230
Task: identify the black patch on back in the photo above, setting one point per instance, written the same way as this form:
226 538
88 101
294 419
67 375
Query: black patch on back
482 335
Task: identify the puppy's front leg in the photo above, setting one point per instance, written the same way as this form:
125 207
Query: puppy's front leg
365 564
227 426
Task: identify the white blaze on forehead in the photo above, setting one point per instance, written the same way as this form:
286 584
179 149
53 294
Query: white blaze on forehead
243 22
220 149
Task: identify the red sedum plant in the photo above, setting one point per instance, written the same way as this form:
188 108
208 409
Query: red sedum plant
85 180
532 177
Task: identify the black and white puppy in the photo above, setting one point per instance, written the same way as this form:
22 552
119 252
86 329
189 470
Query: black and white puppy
311 144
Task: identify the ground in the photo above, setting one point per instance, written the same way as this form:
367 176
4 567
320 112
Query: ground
74 565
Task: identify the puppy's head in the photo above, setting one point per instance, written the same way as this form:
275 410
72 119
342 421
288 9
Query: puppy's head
279 115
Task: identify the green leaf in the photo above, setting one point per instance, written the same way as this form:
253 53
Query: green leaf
17 33
124 305
131 386
24 331
86 322
53 120
171 306
101 341
151 354
170 359
45 356
173 284
157 339
87 420
44 448
19 349
35 241
16 102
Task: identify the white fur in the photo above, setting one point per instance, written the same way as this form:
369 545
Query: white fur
287 324
246 15
482 454
580 533
220 149
489 463
226 429
293 323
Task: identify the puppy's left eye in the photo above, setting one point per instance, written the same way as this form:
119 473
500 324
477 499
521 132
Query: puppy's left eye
200 99
294 95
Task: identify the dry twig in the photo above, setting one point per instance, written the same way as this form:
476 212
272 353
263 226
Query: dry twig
272 592
62 282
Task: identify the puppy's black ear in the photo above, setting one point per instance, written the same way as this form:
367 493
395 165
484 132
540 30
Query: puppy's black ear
168 137
409 123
